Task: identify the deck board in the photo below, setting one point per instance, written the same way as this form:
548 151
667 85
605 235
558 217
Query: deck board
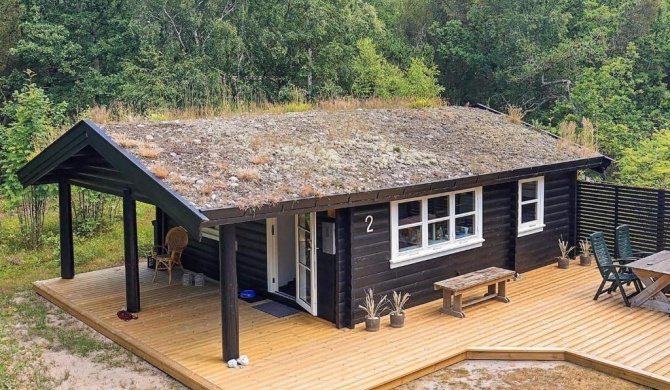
179 331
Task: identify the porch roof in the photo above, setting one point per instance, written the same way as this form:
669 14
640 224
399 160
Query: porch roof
87 157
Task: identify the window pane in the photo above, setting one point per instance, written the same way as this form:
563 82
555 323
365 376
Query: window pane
528 191
438 207
529 212
409 238
409 212
465 202
305 292
465 226
438 232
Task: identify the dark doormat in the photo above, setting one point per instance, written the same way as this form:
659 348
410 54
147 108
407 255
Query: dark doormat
255 299
276 309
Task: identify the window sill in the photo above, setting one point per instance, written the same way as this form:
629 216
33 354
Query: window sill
525 231
428 254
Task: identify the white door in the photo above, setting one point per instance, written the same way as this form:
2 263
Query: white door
305 235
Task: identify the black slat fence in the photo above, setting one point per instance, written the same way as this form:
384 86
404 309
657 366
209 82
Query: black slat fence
603 207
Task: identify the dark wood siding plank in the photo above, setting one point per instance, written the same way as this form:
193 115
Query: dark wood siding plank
202 257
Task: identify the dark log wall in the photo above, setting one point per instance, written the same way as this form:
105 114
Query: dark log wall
203 257
252 255
539 249
371 252
325 273
343 311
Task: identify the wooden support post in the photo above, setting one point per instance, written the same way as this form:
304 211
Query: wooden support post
230 322
159 227
510 263
130 251
574 237
616 218
65 221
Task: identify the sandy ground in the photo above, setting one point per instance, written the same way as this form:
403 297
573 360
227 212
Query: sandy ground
502 374
82 373
47 364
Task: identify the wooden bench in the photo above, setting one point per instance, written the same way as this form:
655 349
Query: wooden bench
455 287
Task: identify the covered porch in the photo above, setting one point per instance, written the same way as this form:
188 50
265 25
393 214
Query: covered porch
551 316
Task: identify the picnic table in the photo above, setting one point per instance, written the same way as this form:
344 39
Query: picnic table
654 273
453 289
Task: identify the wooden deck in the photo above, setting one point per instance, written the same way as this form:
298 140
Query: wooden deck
551 315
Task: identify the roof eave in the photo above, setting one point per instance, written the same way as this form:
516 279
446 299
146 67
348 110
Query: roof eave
227 215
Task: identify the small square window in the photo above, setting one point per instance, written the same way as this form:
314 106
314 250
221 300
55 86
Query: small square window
409 213
465 202
528 212
438 207
531 206
528 191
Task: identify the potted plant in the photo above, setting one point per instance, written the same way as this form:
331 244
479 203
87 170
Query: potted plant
584 252
373 310
397 312
564 259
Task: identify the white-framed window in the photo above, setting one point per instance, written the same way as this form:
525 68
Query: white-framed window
436 225
531 206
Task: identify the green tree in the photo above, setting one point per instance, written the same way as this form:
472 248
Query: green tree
34 120
76 48
622 103
374 75
648 163
422 80
11 12
306 43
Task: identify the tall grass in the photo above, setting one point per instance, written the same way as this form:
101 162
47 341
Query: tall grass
19 266
122 112
585 136
515 114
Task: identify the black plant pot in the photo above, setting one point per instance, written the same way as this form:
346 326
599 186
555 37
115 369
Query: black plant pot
372 324
397 320
585 260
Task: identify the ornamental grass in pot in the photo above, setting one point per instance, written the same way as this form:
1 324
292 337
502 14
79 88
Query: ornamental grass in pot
585 255
373 310
564 258
397 312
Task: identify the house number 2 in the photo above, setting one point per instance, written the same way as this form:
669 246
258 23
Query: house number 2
369 220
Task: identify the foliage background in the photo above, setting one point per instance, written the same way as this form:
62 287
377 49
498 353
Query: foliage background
563 60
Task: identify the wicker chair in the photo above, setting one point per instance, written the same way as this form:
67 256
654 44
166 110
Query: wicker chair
168 255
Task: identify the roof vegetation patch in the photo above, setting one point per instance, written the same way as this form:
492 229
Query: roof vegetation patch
251 160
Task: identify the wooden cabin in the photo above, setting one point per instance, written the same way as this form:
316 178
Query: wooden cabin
311 209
